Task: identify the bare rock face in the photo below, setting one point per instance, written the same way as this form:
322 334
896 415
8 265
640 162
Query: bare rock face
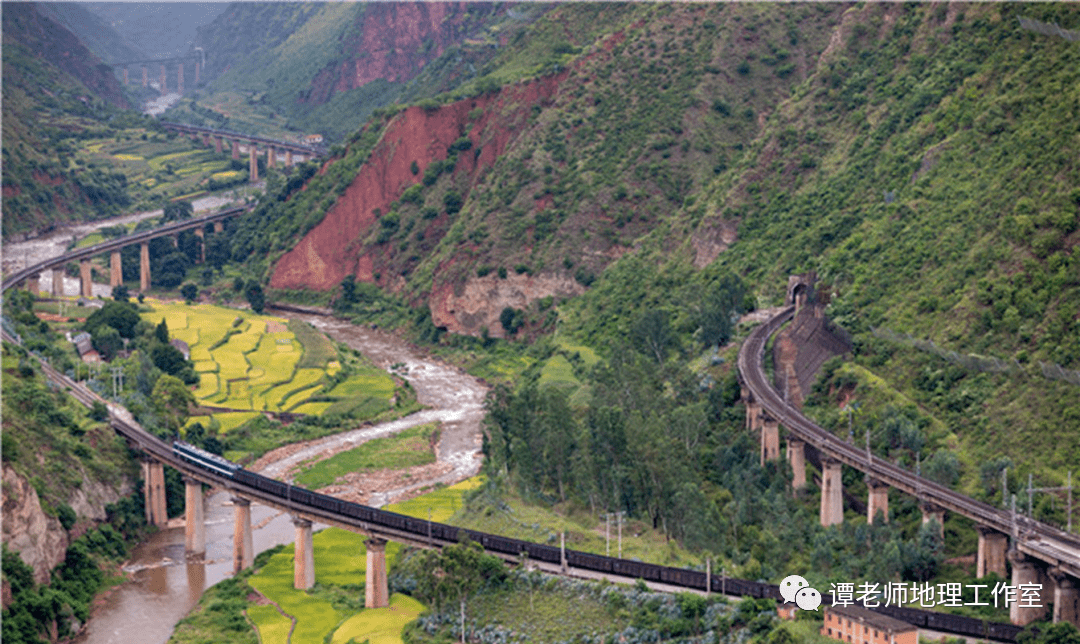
38 538
466 310
41 540
711 239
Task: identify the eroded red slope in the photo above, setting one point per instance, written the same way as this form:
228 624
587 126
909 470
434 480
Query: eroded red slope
334 248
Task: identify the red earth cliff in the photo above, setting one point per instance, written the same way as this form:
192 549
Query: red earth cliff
395 42
335 247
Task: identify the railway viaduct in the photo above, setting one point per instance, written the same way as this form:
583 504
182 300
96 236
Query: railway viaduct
196 59
293 152
1038 553
30 275
1035 546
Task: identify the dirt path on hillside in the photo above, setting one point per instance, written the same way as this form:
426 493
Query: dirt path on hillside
454 399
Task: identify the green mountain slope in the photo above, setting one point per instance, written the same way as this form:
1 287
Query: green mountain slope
54 90
921 159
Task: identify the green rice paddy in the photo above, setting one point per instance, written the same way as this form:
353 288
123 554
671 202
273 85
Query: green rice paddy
251 363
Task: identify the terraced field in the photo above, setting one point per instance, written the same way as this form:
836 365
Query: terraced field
250 363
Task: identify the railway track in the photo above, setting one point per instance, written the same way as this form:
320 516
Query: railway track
401 528
1035 538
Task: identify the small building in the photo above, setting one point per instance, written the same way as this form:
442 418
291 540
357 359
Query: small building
859 625
84 345
312 139
182 347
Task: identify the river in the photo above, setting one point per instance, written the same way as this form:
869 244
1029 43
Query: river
164 586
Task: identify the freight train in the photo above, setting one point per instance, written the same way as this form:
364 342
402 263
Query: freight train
514 548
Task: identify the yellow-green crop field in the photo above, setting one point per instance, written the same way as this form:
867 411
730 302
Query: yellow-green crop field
341 559
249 363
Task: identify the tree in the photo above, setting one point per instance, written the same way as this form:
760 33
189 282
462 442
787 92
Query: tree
107 341
172 401
190 292
511 320
456 572
121 316
254 294
652 334
177 211
120 293
161 332
218 250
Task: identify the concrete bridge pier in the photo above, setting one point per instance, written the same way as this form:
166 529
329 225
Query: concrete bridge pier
154 492
144 267
164 87
770 439
304 556
832 493
1026 572
796 455
125 76
217 144
116 269
202 244
145 76
753 413
86 286
194 522
219 227
878 500
243 554
253 162
180 77
206 139
936 513
376 590
197 66
33 283
1066 597
288 158
235 150
58 282
992 548
271 157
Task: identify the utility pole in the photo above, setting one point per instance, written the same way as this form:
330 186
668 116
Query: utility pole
620 516
118 382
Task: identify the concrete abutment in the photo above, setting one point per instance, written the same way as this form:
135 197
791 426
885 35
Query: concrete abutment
796 454
154 492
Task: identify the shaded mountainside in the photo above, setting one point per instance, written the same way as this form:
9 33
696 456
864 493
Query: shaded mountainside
97 35
54 89
327 66
44 37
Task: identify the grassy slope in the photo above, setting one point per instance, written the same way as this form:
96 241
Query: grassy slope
955 117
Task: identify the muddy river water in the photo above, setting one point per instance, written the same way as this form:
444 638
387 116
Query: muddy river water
164 586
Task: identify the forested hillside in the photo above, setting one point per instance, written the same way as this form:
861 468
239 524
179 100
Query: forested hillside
673 165
55 90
